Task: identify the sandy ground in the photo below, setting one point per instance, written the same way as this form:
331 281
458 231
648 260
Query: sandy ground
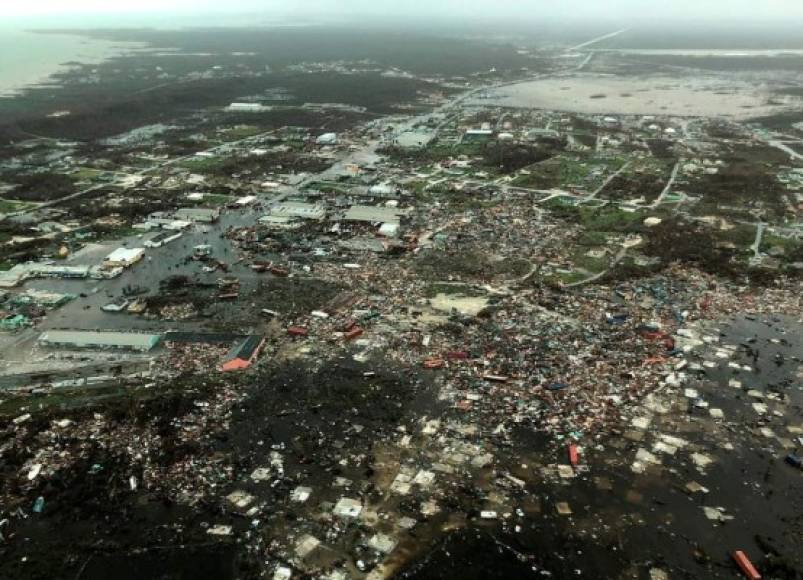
647 95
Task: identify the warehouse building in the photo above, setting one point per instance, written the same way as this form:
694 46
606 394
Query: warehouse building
162 239
197 215
123 257
297 209
99 340
22 272
375 214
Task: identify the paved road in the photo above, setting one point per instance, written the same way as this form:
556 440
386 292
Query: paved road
598 39
659 200
618 258
785 148
607 182
760 227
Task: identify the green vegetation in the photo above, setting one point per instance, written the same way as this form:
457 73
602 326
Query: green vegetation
597 221
610 219
328 187
203 164
568 277
41 186
103 233
591 239
240 132
586 172
10 206
584 262
86 174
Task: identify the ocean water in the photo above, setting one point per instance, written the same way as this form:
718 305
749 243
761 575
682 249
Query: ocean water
29 58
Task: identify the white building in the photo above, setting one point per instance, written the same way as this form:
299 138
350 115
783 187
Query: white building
247 108
327 139
375 214
191 214
247 200
99 340
162 238
294 209
123 257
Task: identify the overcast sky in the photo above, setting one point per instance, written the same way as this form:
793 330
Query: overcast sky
750 10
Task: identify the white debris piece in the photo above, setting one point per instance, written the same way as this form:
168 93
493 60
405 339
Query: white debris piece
430 508
767 432
701 460
22 419
482 460
306 544
424 478
219 530
431 427
641 422
260 474
33 473
661 447
646 457
643 459
674 441
488 515
563 508
240 499
282 573
348 508
716 514
401 484
300 494
382 543
695 487
760 408
407 523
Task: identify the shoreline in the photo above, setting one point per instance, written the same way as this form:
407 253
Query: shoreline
61 52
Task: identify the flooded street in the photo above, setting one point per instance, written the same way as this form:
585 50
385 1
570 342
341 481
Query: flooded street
620 520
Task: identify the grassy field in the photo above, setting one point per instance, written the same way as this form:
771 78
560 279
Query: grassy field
581 172
240 132
202 164
86 174
10 206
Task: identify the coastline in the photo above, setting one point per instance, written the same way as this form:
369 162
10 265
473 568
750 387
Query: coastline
47 54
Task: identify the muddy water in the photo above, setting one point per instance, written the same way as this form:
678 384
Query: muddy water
625 525
622 524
